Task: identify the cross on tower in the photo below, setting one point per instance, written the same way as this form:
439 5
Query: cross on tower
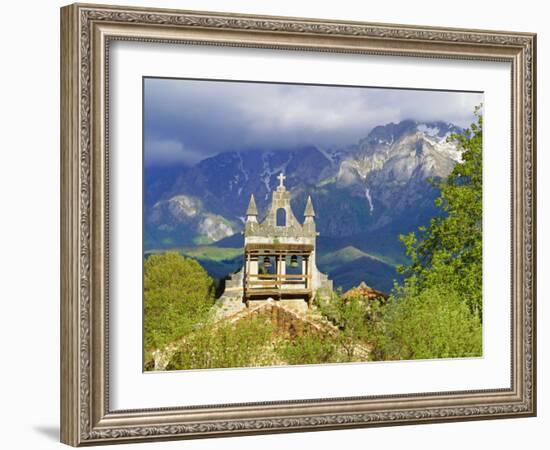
281 179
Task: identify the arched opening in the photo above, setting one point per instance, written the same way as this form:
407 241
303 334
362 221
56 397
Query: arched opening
281 217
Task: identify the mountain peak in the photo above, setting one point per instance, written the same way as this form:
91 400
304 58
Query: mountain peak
392 132
389 133
438 129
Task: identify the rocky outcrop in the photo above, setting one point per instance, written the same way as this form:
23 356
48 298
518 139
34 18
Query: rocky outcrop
186 214
392 165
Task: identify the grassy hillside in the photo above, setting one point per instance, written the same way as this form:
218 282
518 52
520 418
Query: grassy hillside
334 259
349 266
374 272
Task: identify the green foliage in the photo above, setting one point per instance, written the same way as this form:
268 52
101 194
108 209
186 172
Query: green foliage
432 323
309 349
449 251
350 316
242 344
178 294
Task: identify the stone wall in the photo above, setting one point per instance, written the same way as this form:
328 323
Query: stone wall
285 318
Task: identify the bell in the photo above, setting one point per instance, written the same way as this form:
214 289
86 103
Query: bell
267 262
294 261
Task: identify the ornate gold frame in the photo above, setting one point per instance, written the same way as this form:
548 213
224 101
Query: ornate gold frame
86 31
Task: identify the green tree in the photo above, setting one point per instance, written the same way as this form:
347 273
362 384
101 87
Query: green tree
437 311
432 323
449 251
178 294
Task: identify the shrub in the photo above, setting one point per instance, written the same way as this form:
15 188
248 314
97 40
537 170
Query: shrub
350 316
309 349
224 344
432 323
178 294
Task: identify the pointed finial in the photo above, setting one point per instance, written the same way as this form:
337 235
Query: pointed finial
252 210
309 212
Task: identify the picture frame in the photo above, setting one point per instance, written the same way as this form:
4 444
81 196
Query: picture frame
87 32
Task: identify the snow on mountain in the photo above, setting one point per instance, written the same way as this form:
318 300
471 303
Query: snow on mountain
393 162
395 153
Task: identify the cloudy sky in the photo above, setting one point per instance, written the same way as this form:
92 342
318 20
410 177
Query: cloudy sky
186 121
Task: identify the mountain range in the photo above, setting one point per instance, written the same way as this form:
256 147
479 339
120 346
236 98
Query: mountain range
364 195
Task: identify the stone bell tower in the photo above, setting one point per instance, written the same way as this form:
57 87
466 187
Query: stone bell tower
279 255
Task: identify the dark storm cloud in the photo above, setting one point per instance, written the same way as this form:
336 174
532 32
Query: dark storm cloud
189 120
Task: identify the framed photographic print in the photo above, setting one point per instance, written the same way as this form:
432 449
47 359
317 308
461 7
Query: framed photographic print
278 224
